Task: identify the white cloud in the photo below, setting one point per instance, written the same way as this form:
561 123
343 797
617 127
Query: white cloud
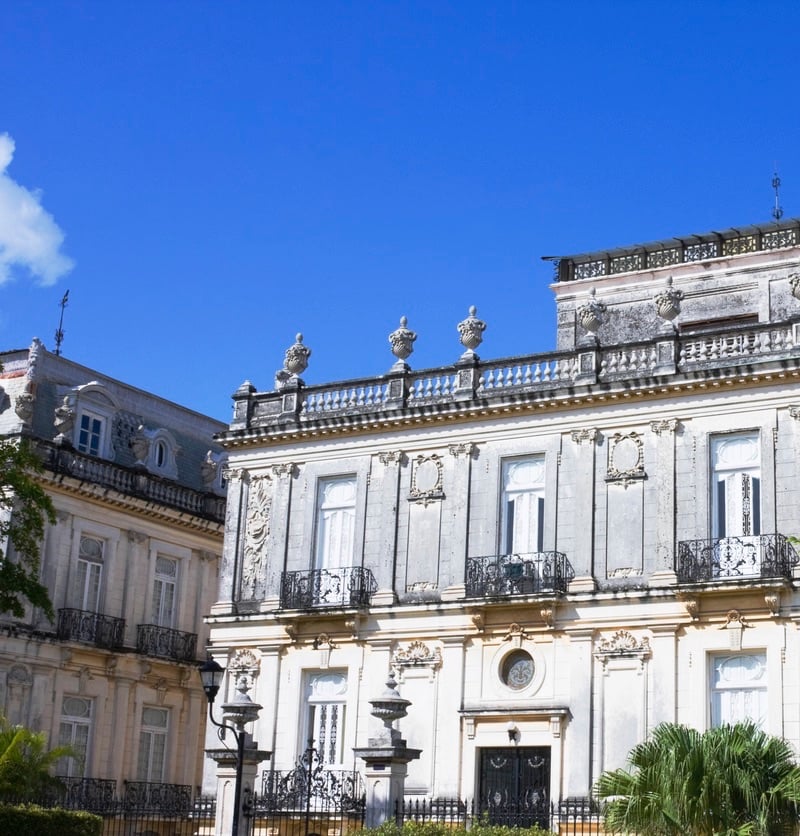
29 237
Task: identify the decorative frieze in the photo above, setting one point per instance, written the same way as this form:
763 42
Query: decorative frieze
622 644
257 528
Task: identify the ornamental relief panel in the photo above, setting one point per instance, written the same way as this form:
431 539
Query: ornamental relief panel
427 479
257 528
417 654
625 458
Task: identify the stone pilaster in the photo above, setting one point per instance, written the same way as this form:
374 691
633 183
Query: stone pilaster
233 545
585 440
456 524
663 573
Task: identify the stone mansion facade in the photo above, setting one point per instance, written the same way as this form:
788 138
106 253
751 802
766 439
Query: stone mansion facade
553 553
131 568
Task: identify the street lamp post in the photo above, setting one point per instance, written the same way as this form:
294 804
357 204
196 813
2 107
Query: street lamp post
239 712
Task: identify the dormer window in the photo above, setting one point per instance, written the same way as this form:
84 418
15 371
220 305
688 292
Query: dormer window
160 453
162 456
95 411
90 433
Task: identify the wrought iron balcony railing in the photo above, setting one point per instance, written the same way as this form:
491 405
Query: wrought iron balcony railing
349 586
529 573
735 558
95 795
90 628
165 643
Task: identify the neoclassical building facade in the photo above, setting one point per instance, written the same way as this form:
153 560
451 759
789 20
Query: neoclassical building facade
553 553
131 567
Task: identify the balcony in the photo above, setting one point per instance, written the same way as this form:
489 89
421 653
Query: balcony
348 586
165 643
90 628
531 573
753 557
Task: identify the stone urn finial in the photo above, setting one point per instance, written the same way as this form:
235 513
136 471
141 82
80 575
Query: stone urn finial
295 362
402 343
471 333
387 708
592 313
668 301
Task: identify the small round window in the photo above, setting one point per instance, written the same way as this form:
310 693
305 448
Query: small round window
517 670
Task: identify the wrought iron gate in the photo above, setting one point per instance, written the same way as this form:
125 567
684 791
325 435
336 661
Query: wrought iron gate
309 799
515 785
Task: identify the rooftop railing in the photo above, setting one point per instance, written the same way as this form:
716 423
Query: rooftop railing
530 573
133 482
758 556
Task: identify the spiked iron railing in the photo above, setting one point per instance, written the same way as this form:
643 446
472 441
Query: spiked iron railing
350 586
168 799
735 558
90 628
165 643
529 573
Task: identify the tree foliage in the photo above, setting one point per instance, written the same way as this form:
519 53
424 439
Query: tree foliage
25 509
729 781
26 764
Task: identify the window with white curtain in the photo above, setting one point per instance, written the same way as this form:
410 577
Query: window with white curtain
522 512
325 705
739 688
74 731
153 744
335 522
164 591
87 574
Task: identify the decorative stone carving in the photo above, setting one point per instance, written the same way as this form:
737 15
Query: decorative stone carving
588 435
257 528
64 421
209 469
281 470
390 457
591 314
548 615
417 654
245 660
140 445
794 412
402 343
466 449
668 302
23 404
295 362
735 625
794 284
34 355
515 634
625 459
773 602
692 607
324 640
665 425
136 537
471 333
426 480
622 643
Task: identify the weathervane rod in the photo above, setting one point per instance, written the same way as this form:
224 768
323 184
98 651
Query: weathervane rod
60 329
777 212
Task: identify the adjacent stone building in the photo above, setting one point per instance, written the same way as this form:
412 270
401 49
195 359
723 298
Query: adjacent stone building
131 567
553 553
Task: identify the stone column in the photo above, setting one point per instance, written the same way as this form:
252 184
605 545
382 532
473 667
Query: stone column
233 545
226 778
386 758
584 509
454 528
579 734
381 538
663 574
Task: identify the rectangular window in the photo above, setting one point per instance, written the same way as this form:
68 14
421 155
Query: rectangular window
522 512
164 586
74 731
326 699
85 593
739 689
153 744
335 523
90 433
736 462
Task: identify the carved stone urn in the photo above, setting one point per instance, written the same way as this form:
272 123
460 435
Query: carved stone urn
402 342
295 362
387 708
471 332
591 313
668 302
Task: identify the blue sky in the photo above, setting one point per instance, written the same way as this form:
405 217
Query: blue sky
226 174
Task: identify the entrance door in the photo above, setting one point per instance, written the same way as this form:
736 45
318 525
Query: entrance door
515 785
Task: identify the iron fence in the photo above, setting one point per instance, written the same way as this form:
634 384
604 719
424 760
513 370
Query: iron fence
141 807
569 817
